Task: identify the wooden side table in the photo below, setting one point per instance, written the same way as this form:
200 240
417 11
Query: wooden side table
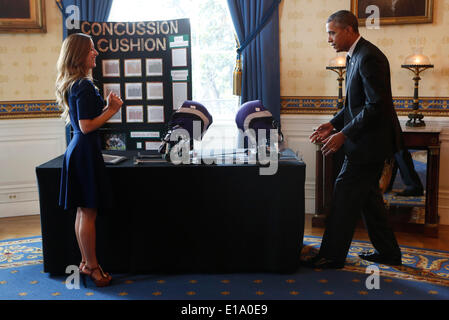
324 185
428 138
423 138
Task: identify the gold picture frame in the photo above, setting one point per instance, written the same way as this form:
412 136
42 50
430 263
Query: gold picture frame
394 11
23 16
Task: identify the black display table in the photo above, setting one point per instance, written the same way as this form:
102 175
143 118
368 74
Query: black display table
184 218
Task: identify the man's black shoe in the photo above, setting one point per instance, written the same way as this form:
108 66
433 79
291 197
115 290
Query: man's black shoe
322 263
410 193
378 258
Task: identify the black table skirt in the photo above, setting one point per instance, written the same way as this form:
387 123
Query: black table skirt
185 218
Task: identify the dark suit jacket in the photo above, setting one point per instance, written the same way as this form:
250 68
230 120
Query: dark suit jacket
368 118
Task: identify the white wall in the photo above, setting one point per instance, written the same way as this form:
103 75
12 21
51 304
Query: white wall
25 144
297 129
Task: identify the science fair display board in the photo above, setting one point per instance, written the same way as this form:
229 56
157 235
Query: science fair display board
148 64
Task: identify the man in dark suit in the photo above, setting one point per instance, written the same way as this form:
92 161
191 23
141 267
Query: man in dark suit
368 130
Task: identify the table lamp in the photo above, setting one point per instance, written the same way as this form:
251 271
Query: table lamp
338 65
416 63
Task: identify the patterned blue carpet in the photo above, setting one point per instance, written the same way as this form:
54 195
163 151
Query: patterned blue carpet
424 276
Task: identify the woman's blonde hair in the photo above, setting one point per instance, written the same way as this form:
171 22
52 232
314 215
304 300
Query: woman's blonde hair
71 66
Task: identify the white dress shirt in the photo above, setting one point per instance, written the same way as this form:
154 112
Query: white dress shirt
351 50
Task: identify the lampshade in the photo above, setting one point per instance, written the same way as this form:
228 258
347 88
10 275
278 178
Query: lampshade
416 63
417 59
338 61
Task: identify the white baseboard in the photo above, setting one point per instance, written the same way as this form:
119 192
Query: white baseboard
443 207
25 144
17 209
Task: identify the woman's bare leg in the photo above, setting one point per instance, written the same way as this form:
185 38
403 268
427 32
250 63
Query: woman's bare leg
87 233
77 233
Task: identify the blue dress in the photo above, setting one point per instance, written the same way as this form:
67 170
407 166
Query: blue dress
84 182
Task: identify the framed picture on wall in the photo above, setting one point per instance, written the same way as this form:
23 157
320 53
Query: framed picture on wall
22 16
393 11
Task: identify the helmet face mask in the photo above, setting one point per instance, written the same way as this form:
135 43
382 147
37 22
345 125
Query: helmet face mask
190 122
253 119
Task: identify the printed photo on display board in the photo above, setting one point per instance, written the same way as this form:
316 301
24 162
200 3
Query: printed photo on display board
156 114
114 141
152 145
116 118
133 91
134 114
155 91
179 57
111 68
179 94
180 75
154 68
133 68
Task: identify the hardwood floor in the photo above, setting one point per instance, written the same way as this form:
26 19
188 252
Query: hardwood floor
20 227
404 239
28 226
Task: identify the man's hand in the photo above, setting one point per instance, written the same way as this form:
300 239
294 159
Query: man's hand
321 133
333 143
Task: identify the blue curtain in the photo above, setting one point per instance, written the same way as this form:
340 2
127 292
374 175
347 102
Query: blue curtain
260 59
90 10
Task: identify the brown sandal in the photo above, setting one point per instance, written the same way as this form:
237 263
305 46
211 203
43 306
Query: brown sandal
102 282
81 266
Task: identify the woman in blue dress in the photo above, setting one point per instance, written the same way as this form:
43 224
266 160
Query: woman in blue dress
84 183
